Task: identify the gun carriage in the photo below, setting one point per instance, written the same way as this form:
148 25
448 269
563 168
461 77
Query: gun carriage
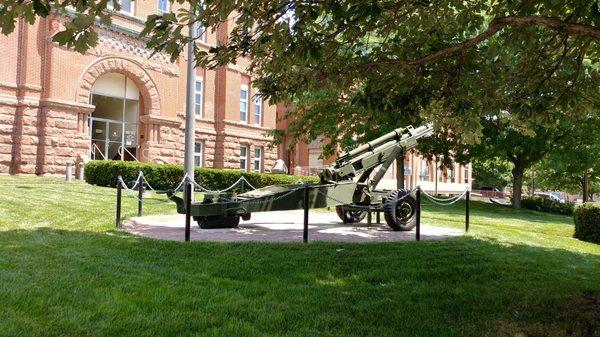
349 184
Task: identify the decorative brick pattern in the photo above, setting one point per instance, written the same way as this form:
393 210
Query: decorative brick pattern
127 67
45 95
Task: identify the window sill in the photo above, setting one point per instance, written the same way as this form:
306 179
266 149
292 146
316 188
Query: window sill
127 15
204 44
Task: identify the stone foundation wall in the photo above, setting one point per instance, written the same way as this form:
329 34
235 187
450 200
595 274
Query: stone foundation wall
62 138
166 146
167 143
40 140
7 117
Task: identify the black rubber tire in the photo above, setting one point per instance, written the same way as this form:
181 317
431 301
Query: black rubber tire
400 215
350 216
214 222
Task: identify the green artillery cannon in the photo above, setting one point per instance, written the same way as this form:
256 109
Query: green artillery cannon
348 184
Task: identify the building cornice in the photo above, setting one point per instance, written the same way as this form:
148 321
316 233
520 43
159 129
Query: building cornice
246 125
244 135
15 86
57 103
160 120
13 101
71 13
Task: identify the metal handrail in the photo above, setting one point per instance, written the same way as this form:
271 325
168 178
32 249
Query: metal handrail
99 150
122 148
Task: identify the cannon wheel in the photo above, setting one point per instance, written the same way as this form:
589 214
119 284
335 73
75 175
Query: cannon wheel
350 216
400 212
212 222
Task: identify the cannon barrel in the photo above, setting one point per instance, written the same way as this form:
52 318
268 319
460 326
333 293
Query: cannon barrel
393 135
396 134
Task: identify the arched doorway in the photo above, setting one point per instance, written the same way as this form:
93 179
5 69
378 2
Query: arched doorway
114 124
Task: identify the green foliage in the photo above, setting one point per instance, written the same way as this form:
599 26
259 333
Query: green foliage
547 205
78 33
493 173
503 141
355 68
587 222
167 176
575 158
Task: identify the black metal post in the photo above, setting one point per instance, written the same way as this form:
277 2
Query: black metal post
188 209
418 232
369 216
118 215
305 204
140 196
467 210
378 217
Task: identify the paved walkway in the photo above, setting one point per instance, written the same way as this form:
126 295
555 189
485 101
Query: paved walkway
280 227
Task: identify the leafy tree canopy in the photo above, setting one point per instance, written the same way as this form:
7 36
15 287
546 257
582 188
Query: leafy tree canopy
358 68
491 173
574 164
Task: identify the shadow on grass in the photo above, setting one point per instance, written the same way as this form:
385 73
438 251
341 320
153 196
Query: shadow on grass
56 282
484 210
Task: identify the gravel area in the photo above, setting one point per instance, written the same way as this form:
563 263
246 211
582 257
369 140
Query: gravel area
280 227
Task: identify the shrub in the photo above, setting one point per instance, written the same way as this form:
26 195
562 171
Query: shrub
587 222
168 176
547 205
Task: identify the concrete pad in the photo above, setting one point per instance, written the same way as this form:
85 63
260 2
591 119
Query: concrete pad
280 227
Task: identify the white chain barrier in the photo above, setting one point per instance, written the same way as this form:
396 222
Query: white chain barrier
443 201
142 179
241 180
181 184
133 192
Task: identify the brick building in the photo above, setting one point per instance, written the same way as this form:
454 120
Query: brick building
117 101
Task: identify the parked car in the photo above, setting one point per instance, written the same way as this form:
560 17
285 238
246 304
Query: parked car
488 188
549 196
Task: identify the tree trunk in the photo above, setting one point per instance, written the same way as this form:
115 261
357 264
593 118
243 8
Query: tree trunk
533 180
585 184
517 172
400 171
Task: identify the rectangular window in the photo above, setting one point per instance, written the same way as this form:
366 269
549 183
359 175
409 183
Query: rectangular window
126 5
466 174
244 104
200 32
163 6
314 158
257 108
198 153
257 159
424 172
244 158
198 98
452 175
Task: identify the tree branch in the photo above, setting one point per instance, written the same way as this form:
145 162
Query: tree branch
496 25
552 23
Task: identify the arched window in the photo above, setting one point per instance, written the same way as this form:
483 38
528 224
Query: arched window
114 122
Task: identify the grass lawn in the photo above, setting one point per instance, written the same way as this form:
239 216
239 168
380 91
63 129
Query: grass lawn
64 271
